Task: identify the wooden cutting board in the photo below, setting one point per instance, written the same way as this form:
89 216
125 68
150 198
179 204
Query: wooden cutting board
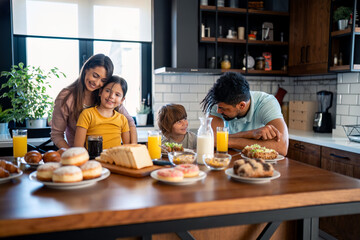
138 173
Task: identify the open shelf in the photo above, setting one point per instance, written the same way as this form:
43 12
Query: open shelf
341 32
265 12
340 68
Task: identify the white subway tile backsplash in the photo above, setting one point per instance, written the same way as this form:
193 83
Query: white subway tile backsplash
343 88
171 78
189 79
194 106
205 79
197 89
158 97
348 120
355 88
158 78
358 121
179 88
350 77
349 99
354 110
342 109
189 97
339 78
172 97
339 99
165 88
192 115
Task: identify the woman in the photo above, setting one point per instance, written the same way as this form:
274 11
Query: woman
82 94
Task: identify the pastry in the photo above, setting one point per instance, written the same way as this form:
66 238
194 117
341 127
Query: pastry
8 166
33 156
252 168
51 156
4 173
129 155
45 171
76 156
61 151
258 152
67 174
170 174
189 170
91 169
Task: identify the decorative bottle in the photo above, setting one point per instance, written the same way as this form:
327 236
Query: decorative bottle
205 139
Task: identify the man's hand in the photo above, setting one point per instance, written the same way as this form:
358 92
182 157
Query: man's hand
267 132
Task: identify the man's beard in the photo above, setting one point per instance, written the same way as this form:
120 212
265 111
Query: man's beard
227 118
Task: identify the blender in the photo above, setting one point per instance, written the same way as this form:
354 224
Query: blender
322 119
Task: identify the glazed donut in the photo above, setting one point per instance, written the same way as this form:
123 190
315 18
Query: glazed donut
67 174
170 174
91 169
51 156
45 171
76 156
61 151
189 170
33 157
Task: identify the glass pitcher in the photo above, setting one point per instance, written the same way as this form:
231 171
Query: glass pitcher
205 139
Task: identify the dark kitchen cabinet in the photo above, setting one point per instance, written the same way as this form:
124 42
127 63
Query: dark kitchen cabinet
305 152
309 37
213 41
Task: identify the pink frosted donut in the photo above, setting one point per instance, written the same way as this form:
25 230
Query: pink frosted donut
189 170
170 174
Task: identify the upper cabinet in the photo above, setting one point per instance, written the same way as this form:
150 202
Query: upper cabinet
309 37
344 36
237 34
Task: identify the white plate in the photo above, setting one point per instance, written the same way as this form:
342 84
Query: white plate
230 172
278 158
185 181
82 184
12 176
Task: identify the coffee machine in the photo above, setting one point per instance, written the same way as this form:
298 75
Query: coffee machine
322 119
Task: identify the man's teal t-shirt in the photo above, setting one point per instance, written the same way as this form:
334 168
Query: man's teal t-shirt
263 109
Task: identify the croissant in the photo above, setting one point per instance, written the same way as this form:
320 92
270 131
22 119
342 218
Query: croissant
4 173
11 168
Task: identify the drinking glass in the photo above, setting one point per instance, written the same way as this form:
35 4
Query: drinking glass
222 139
154 144
95 145
19 137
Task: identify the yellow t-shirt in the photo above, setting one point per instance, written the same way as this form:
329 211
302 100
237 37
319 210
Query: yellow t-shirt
109 128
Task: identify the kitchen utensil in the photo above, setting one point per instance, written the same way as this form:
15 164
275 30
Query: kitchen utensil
267 31
322 119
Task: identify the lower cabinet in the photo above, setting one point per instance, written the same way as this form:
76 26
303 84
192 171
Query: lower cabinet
305 152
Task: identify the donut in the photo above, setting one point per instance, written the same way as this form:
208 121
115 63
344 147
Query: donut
45 171
51 156
189 170
170 174
67 174
91 169
33 156
61 151
76 156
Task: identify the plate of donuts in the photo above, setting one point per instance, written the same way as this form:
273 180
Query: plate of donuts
173 176
73 185
259 180
12 176
278 158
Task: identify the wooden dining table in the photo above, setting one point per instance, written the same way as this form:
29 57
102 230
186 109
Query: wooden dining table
122 206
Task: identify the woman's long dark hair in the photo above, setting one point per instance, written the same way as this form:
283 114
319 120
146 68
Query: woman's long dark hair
77 88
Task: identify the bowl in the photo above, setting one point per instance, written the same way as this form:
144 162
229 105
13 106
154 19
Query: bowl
217 161
184 157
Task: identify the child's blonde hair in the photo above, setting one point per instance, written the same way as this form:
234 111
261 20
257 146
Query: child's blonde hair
168 115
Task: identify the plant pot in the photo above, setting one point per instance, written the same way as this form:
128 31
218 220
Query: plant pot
342 24
4 129
141 119
36 123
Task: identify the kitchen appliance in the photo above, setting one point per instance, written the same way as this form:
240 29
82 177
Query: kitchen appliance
322 119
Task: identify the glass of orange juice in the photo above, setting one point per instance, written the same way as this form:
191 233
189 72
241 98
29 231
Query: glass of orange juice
154 144
222 139
19 137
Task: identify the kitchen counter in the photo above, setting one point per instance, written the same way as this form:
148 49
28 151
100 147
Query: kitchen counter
325 139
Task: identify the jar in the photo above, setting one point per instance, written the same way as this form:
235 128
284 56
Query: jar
205 139
260 63
225 63
212 63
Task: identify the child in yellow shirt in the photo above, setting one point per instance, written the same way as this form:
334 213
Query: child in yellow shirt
103 120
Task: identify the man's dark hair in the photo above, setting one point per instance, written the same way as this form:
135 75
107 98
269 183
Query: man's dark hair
231 88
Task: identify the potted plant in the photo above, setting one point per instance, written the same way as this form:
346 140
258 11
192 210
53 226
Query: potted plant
142 113
342 16
26 88
5 118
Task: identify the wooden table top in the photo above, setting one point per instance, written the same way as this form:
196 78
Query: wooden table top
27 207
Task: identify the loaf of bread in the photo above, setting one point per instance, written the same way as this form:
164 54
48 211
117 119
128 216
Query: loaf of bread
129 155
258 152
252 168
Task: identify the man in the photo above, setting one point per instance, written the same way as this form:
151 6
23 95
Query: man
252 117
